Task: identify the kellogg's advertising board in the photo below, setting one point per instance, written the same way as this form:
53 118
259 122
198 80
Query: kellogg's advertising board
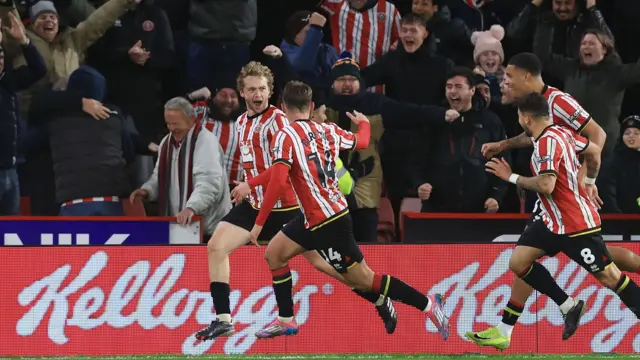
152 299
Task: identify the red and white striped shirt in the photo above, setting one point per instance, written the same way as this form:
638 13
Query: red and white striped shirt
567 210
368 34
310 149
228 136
565 110
256 134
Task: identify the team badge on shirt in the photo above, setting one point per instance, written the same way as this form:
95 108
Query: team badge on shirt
148 25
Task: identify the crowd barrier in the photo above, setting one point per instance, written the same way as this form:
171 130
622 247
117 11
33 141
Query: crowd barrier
62 230
119 300
488 228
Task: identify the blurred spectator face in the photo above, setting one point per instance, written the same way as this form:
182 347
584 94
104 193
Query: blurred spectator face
1 60
592 51
226 100
485 92
631 138
178 123
256 93
564 9
489 62
346 85
357 4
424 8
412 36
46 26
459 93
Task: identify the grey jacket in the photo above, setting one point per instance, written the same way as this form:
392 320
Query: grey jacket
223 20
210 198
599 88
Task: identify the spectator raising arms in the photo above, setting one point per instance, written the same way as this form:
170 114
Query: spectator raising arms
63 51
12 80
597 78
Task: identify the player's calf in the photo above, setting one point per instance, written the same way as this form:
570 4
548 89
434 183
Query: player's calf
625 260
622 285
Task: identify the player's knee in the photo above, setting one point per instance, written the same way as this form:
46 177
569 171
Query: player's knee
274 258
609 277
215 246
518 266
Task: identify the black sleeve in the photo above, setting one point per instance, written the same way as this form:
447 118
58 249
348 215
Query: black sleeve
608 188
521 27
402 115
497 187
49 103
163 51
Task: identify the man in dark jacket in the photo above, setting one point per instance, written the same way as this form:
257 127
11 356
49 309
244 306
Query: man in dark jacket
89 155
454 179
448 37
11 81
221 32
410 74
131 56
384 114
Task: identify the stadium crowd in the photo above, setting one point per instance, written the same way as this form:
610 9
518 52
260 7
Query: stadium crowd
88 90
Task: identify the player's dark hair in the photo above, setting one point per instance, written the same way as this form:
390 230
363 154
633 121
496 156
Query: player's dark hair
297 96
464 72
535 105
528 62
413 19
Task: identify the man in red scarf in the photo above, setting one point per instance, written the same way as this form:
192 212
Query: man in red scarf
188 179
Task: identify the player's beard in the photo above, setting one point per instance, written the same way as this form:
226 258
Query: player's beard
527 131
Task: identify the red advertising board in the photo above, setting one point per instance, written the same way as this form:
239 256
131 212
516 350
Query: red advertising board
152 299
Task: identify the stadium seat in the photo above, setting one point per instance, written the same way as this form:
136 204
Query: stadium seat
410 205
386 222
133 210
25 206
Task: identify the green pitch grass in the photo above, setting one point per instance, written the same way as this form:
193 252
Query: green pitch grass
345 357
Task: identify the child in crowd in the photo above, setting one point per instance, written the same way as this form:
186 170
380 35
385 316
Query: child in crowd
489 56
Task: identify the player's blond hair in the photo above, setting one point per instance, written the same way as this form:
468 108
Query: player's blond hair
256 69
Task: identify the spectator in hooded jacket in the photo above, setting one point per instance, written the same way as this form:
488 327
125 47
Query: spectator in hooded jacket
448 36
309 57
131 56
12 80
89 156
620 189
63 49
454 178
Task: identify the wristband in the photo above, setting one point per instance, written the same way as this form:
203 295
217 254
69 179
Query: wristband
590 181
514 178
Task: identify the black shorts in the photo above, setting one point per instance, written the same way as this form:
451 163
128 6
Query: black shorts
588 249
334 241
244 216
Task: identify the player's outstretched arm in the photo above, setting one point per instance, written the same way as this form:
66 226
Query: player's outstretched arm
520 141
543 183
592 159
595 133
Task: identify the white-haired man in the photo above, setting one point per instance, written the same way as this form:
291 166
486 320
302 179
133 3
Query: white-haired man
188 178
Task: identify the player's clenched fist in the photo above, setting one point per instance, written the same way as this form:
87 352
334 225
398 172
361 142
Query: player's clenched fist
489 150
424 191
451 115
491 205
357 117
317 19
272 51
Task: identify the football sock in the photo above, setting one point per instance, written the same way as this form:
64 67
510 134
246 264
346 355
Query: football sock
629 293
220 294
511 313
505 329
374 298
540 279
282 287
566 306
395 289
